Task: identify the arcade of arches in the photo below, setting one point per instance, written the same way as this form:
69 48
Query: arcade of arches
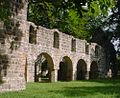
60 57
44 66
39 56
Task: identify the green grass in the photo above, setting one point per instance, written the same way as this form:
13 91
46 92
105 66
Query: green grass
74 89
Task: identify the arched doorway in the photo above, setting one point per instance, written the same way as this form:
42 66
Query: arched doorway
81 69
65 69
43 68
94 70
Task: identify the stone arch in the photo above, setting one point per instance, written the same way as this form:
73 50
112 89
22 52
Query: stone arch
43 68
81 69
94 70
56 40
65 72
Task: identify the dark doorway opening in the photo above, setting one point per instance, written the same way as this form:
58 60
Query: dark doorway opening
93 70
65 70
81 69
43 68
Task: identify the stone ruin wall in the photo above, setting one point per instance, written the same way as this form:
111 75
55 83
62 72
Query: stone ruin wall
45 40
27 54
22 60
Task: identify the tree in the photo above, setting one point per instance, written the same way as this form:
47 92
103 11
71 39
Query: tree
84 19
69 16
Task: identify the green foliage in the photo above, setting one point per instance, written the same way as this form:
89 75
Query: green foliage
68 16
5 9
77 25
99 7
94 9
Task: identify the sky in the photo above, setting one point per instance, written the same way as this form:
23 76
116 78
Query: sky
116 43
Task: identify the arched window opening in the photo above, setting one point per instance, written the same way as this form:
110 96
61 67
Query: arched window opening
96 51
56 40
73 45
4 63
2 38
2 33
32 35
86 48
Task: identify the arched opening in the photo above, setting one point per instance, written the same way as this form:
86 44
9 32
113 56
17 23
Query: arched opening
86 48
73 45
56 40
43 68
96 50
92 52
93 70
81 69
32 35
65 69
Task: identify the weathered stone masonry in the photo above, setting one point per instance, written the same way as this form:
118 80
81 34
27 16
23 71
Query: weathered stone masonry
84 60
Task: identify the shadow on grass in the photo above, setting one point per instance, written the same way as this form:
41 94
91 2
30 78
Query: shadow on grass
88 91
104 81
109 91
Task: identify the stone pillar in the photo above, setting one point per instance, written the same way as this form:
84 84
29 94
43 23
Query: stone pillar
74 75
87 75
54 75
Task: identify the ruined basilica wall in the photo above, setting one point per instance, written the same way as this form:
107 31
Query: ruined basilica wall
26 55
45 40
100 58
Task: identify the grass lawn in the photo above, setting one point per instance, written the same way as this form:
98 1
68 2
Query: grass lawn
74 89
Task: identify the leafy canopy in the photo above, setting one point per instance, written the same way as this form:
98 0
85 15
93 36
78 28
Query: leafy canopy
69 16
